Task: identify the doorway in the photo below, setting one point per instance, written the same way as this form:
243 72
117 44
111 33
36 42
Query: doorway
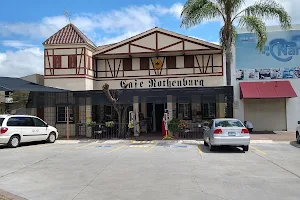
159 114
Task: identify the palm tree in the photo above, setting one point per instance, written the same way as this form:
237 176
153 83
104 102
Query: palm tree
230 12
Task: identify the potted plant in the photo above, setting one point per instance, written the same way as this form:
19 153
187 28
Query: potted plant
109 124
173 126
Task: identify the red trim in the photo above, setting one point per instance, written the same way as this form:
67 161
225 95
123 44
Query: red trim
122 78
169 45
136 45
194 50
188 40
156 42
84 60
127 43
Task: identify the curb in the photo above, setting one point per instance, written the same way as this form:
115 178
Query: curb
8 196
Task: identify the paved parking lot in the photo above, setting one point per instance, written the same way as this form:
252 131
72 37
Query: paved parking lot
150 170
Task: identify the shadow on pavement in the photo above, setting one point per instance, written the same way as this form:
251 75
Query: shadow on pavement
24 144
295 144
222 149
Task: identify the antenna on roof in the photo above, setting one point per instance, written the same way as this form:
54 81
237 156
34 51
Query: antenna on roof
68 16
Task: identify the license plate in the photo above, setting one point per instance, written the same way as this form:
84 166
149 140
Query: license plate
231 133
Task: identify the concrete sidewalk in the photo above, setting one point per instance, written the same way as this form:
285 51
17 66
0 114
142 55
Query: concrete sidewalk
4 195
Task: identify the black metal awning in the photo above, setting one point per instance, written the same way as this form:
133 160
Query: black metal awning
17 84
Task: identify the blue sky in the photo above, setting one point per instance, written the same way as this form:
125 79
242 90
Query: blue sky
26 24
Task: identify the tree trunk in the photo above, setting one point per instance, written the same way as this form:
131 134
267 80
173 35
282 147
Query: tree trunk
228 66
229 110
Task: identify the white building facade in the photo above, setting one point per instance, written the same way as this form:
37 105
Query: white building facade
267 83
144 65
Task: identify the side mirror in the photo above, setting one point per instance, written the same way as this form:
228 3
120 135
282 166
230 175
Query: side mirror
298 122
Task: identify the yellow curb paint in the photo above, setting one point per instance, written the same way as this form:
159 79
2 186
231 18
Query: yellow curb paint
199 149
117 149
151 146
257 150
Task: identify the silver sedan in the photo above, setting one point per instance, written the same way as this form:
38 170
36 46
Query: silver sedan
226 132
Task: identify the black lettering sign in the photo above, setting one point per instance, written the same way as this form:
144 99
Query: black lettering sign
153 83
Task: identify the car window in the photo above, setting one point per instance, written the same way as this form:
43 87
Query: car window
38 122
20 121
228 123
1 121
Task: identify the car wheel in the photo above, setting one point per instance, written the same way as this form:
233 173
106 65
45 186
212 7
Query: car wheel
205 143
298 139
245 148
211 147
51 137
14 141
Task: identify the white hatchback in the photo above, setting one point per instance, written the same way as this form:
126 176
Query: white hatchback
16 129
226 132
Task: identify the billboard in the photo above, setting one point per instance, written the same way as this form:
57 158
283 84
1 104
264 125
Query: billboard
280 58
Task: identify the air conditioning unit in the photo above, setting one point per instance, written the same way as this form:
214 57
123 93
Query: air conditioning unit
9 100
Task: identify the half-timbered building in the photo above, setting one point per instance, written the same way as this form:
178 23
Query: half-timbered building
153 71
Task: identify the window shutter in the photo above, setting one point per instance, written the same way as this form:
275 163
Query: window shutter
189 61
171 62
56 62
144 63
72 61
127 64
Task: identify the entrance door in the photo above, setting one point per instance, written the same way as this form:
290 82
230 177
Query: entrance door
159 114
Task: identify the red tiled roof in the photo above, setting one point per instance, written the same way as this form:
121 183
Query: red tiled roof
69 34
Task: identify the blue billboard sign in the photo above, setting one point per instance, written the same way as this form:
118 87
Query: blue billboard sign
279 59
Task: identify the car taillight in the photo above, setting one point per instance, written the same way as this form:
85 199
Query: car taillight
218 131
3 130
245 131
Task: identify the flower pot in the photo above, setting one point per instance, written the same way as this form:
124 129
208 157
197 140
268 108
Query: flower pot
176 134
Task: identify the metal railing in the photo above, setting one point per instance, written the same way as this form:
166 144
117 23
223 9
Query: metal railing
192 131
101 131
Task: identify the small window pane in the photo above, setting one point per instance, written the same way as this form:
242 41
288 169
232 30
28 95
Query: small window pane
127 64
144 63
189 61
229 123
171 62
38 122
1 121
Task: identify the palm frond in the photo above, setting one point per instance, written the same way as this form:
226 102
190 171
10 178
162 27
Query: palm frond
269 9
197 11
257 26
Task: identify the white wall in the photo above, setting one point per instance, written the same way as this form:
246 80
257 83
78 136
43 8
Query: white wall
292 104
74 84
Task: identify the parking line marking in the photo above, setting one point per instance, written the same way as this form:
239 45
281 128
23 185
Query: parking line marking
199 149
258 150
117 149
85 145
155 143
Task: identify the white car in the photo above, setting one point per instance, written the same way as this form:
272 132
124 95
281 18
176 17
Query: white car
297 133
226 132
16 129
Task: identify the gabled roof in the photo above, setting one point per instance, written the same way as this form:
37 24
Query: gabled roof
69 34
108 47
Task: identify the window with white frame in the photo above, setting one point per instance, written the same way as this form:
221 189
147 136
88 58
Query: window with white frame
209 110
61 114
184 111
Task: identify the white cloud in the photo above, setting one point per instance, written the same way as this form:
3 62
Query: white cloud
16 44
22 62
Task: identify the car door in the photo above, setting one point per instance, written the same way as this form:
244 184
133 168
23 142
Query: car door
28 129
40 129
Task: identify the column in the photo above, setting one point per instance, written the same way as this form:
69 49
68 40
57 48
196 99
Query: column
136 112
170 105
88 118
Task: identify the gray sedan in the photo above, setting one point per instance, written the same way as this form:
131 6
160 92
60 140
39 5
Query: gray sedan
226 132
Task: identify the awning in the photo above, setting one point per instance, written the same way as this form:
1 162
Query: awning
268 89
17 84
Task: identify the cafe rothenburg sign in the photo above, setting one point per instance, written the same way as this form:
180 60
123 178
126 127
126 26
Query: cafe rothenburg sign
161 83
